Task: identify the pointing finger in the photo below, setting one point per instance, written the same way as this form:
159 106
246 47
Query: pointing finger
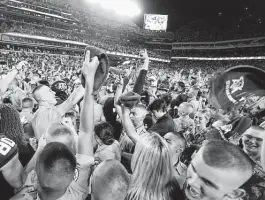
87 57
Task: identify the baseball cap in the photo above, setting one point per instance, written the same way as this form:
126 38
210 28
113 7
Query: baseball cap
236 86
103 68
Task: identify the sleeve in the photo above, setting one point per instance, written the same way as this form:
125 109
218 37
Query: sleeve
8 149
79 187
139 84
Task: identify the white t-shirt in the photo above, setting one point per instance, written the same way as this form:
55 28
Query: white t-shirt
43 119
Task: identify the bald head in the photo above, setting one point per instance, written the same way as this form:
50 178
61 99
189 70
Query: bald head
256 128
138 114
110 180
224 155
36 92
43 93
60 133
176 143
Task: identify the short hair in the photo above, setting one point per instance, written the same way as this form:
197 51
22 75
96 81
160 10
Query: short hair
27 103
71 115
180 136
224 155
113 180
158 104
57 156
186 104
167 98
57 129
36 89
142 107
182 85
105 132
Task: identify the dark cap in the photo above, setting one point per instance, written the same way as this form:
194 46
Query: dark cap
103 68
236 86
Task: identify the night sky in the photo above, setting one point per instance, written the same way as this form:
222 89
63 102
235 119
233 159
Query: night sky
181 12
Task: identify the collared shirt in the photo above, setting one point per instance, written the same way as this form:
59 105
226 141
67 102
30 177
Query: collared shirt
141 130
78 189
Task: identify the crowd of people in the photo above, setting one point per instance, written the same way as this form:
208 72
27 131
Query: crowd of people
79 127
65 137
110 43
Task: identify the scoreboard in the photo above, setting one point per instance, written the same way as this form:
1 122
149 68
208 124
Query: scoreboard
155 22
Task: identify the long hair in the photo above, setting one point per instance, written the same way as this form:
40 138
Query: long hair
105 132
152 169
10 125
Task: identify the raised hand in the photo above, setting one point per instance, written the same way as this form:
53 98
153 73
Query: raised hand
145 54
89 68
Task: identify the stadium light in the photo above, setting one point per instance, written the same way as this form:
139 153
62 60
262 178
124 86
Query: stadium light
121 7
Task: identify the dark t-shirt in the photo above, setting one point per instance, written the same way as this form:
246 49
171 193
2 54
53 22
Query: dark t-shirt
164 125
24 156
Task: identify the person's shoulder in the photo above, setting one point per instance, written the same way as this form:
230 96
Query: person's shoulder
8 151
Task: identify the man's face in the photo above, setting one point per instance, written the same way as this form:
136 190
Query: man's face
157 114
190 92
208 183
137 116
184 110
68 121
174 143
199 119
48 94
252 141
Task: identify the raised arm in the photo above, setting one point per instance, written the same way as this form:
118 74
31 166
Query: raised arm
117 96
72 100
85 139
139 84
263 154
128 125
5 82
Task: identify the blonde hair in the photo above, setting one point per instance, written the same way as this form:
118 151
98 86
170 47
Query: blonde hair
151 166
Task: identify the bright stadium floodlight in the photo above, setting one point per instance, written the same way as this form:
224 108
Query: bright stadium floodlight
93 1
127 7
121 7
